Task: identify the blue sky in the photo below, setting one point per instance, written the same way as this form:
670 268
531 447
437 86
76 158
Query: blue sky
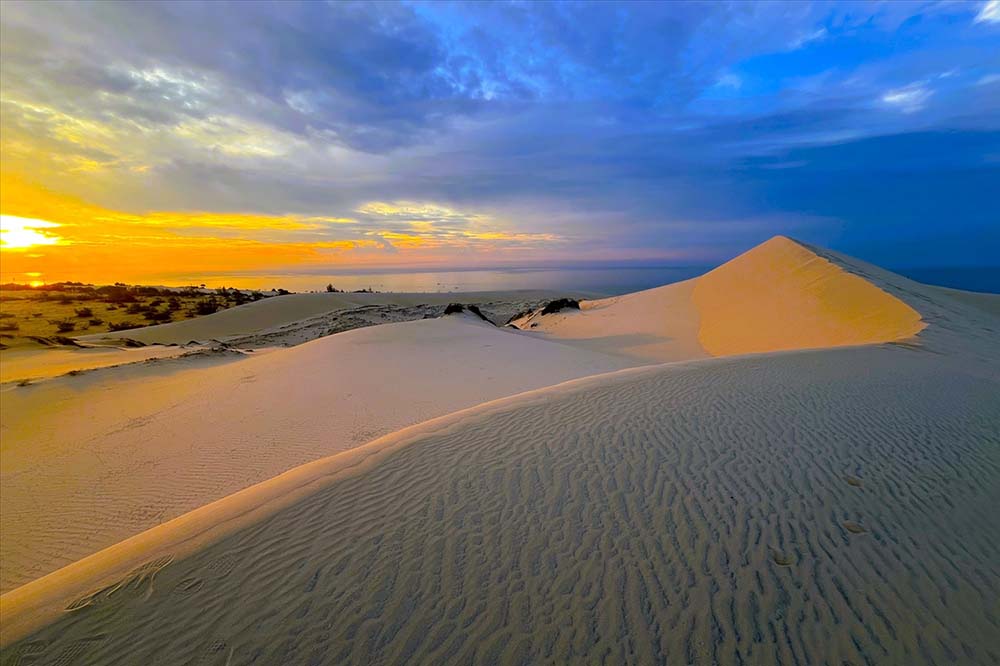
520 133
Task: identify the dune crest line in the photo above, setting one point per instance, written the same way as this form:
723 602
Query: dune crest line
700 512
30 605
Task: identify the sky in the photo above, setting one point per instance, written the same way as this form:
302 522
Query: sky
142 140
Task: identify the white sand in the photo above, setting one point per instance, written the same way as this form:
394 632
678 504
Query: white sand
658 324
830 506
118 451
690 513
32 364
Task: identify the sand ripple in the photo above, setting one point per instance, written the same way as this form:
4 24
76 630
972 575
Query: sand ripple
778 510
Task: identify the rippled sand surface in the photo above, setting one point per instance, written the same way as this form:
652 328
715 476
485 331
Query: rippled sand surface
781 509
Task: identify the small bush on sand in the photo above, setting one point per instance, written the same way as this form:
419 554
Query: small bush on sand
65 326
84 313
123 326
154 315
206 306
96 321
9 326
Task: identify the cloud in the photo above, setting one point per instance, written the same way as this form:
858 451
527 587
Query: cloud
814 36
471 127
908 99
989 12
729 81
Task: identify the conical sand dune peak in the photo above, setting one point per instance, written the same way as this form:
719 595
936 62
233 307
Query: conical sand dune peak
781 295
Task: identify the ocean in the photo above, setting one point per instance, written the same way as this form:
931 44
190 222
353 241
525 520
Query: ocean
609 281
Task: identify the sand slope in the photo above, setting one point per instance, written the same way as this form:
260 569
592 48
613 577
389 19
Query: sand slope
658 324
278 310
778 296
776 509
781 295
803 507
92 459
33 364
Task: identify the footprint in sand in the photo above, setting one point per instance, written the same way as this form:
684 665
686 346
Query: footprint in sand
29 652
188 586
781 559
217 653
77 651
221 567
138 584
853 527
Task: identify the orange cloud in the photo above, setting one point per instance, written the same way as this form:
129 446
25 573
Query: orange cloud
62 237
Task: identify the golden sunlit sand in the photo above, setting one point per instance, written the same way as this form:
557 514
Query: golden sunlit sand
791 459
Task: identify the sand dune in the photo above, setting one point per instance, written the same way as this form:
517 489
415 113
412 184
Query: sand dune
276 311
699 513
117 451
658 324
31 364
820 506
780 295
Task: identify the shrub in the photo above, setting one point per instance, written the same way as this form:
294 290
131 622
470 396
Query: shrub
206 306
9 326
123 326
96 321
84 313
154 315
7 315
65 326
36 315
116 294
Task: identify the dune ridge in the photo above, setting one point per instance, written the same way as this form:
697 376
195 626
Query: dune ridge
780 295
613 518
251 318
125 449
780 506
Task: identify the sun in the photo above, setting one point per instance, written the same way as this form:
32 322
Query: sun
20 233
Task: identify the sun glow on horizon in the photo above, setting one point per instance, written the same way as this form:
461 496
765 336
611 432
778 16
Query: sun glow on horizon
22 233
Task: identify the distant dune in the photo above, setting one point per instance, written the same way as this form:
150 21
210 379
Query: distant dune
273 312
823 494
781 295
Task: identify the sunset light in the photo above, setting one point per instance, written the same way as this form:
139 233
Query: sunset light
423 332
22 233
